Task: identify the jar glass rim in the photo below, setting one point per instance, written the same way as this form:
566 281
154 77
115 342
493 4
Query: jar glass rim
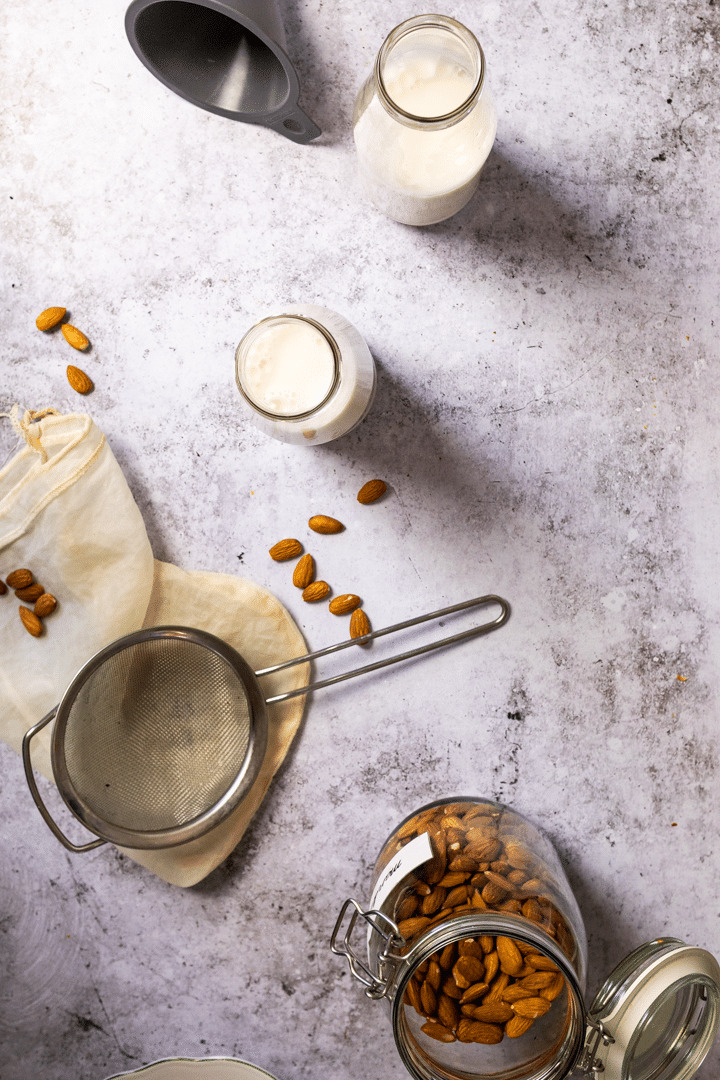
569 1050
258 328
428 22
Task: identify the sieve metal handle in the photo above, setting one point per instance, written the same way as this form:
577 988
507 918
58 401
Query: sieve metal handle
30 777
475 631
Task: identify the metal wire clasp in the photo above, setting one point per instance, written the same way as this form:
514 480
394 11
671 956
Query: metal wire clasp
596 1034
388 958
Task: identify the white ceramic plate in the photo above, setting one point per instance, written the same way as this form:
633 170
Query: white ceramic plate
197 1069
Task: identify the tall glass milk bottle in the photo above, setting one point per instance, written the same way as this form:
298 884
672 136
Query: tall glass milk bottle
424 121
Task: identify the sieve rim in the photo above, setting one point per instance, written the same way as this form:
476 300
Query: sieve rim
248 769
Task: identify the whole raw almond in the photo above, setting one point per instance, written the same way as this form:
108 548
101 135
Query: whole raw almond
343 605
510 956
518 1026
50 317
285 549
410 927
359 624
320 523
3 587
438 1031
448 1012
371 492
20 579
479 1031
317 590
45 605
531 1007
428 998
32 624
74 337
30 593
304 572
77 378
494 1012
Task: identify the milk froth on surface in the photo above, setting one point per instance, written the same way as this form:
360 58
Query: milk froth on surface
289 368
426 85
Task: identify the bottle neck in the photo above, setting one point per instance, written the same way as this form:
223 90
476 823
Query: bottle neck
409 58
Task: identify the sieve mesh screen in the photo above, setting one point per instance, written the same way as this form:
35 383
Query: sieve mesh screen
157 734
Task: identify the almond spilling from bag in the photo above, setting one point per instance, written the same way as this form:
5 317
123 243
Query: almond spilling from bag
371 492
50 317
44 605
30 593
30 621
318 590
343 605
74 337
304 572
285 549
77 378
320 523
359 625
20 579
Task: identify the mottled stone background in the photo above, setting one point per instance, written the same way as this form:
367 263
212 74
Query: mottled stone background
546 419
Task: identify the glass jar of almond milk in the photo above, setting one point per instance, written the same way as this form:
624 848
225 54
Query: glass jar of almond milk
424 121
306 375
475 940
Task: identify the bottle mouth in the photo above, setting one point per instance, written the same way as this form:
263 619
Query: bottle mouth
423 36
252 336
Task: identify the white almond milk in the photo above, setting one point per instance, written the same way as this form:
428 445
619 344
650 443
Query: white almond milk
307 375
289 367
422 169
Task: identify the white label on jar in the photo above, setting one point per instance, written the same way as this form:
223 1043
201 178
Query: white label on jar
414 854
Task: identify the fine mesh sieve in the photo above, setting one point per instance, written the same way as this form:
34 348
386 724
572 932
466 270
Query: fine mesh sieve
162 733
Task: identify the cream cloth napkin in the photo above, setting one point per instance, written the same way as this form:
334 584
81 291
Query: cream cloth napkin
67 514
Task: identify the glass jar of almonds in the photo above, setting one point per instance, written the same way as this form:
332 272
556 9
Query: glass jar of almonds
476 941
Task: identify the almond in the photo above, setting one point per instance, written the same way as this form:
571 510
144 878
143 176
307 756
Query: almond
320 523
50 317
285 549
494 1012
448 1012
437 1031
304 572
79 381
473 993
359 624
44 605
510 956
428 998
409 927
74 337
371 492
20 579
33 625
531 1007
30 593
317 590
3 587
478 1031
343 605
518 1026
